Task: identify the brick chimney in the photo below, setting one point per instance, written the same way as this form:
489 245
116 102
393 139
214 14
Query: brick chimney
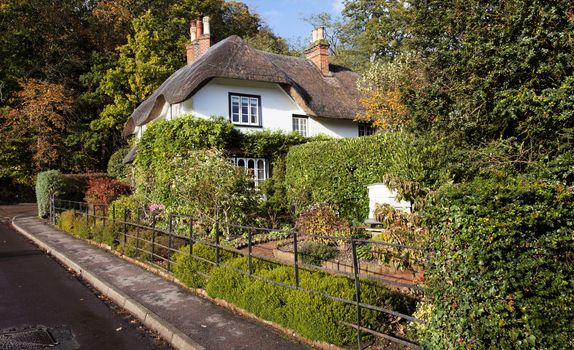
200 35
318 51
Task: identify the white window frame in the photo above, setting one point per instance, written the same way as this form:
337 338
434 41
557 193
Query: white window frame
301 124
245 110
258 168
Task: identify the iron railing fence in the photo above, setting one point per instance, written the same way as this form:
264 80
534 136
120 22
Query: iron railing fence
156 238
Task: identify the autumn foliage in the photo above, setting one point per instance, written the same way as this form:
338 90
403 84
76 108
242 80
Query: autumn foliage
40 117
103 190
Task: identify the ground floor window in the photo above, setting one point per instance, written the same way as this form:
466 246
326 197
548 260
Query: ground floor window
257 167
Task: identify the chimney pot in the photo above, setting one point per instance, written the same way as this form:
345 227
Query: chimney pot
318 51
206 29
320 33
192 31
199 28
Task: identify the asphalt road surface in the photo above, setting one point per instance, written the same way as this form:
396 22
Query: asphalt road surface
35 290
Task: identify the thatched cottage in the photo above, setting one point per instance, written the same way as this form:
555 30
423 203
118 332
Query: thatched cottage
256 90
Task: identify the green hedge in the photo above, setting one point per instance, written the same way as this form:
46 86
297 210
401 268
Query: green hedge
47 183
339 171
502 276
116 168
311 315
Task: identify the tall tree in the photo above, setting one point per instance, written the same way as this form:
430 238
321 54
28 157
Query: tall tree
498 70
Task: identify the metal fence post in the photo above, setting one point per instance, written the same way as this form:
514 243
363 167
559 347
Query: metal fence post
190 235
250 248
169 242
152 237
296 259
138 221
357 290
94 213
217 252
125 226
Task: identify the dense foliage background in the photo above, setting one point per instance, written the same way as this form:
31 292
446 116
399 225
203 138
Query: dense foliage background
73 71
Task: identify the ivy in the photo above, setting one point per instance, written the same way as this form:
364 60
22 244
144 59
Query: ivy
501 275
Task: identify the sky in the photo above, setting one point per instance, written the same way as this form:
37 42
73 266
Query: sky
285 17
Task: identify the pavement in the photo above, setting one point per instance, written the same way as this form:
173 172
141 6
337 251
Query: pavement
183 319
35 290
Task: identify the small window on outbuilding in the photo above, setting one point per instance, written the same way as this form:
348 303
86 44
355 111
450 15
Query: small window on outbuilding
366 129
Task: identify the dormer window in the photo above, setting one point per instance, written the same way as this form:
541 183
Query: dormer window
245 110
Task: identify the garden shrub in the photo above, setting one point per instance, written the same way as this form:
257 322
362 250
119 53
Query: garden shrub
402 228
66 220
76 185
167 146
48 183
312 252
313 316
132 203
186 268
322 219
103 190
502 275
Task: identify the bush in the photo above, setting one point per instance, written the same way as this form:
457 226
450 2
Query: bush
116 168
189 270
76 185
314 253
502 275
313 316
103 190
48 183
321 219
132 203
339 171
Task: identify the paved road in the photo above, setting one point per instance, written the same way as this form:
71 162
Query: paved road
36 290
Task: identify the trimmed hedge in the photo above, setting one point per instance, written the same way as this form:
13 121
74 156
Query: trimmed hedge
116 168
47 183
311 315
67 186
502 275
339 171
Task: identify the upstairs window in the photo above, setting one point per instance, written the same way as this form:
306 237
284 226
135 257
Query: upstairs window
245 109
300 124
366 129
256 167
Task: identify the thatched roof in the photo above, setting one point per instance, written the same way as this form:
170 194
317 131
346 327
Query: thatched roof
333 96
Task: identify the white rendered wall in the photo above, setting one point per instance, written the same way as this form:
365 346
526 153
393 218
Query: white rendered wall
332 127
277 108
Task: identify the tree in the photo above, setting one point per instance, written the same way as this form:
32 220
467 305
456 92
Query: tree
382 86
39 118
380 27
498 71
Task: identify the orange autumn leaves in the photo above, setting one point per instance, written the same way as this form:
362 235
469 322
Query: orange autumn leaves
381 88
39 116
